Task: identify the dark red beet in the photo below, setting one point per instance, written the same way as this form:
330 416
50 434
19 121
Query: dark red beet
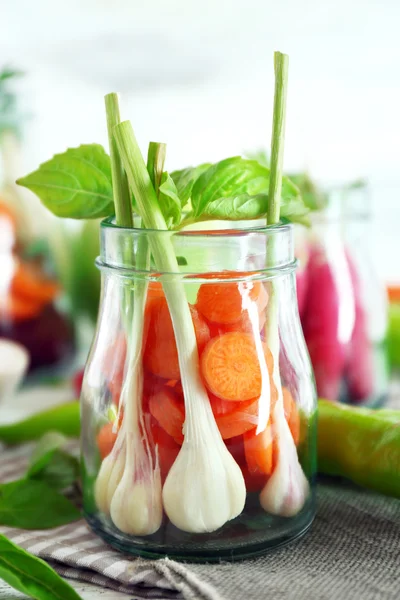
49 337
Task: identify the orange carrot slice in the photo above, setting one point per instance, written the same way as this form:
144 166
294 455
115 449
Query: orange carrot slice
223 302
292 414
234 418
160 354
258 449
244 324
30 284
231 367
16 308
169 411
167 448
106 439
394 294
254 481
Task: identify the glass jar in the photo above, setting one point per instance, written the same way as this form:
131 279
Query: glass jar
343 305
237 477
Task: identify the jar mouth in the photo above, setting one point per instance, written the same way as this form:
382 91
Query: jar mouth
256 226
256 251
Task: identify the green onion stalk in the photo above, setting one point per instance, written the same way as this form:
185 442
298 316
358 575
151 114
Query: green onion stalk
193 503
286 490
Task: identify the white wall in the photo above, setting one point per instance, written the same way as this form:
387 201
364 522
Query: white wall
199 76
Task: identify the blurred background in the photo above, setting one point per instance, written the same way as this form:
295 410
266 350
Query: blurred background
199 76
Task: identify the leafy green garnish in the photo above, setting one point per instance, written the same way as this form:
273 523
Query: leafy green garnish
237 189
169 201
31 575
51 464
314 198
185 179
76 184
64 418
33 504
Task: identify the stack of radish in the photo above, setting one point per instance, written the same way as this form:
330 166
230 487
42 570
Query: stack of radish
334 321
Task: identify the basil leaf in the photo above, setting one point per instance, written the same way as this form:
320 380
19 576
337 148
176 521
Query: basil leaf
31 575
239 208
237 188
64 418
30 504
185 179
45 450
51 464
169 201
76 184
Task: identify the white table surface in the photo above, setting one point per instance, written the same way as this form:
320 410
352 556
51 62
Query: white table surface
35 399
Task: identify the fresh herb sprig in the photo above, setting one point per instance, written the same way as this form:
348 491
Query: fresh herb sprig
78 184
35 501
31 575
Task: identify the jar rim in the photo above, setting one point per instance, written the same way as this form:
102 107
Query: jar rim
109 223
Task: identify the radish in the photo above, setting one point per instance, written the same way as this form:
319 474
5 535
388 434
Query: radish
359 368
328 320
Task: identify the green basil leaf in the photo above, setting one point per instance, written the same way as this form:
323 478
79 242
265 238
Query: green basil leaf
30 504
51 464
64 418
61 471
45 450
30 575
185 179
76 184
237 188
169 200
239 208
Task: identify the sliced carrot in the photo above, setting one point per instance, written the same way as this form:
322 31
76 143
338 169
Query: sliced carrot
16 308
245 323
223 302
258 449
231 367
292 414
394 294
234 418
29 283
167 448
176 386
254 481
7 215
160 354
169 411
106 439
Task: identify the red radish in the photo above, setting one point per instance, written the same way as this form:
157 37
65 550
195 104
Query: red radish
77 382
359 367
327 322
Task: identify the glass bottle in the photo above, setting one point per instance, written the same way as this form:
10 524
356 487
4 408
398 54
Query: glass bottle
343 304
240 286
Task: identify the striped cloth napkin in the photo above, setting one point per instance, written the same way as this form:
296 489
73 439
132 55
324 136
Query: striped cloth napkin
76 553
352 552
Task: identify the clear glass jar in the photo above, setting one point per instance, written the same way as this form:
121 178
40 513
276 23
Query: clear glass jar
343 304
243 444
